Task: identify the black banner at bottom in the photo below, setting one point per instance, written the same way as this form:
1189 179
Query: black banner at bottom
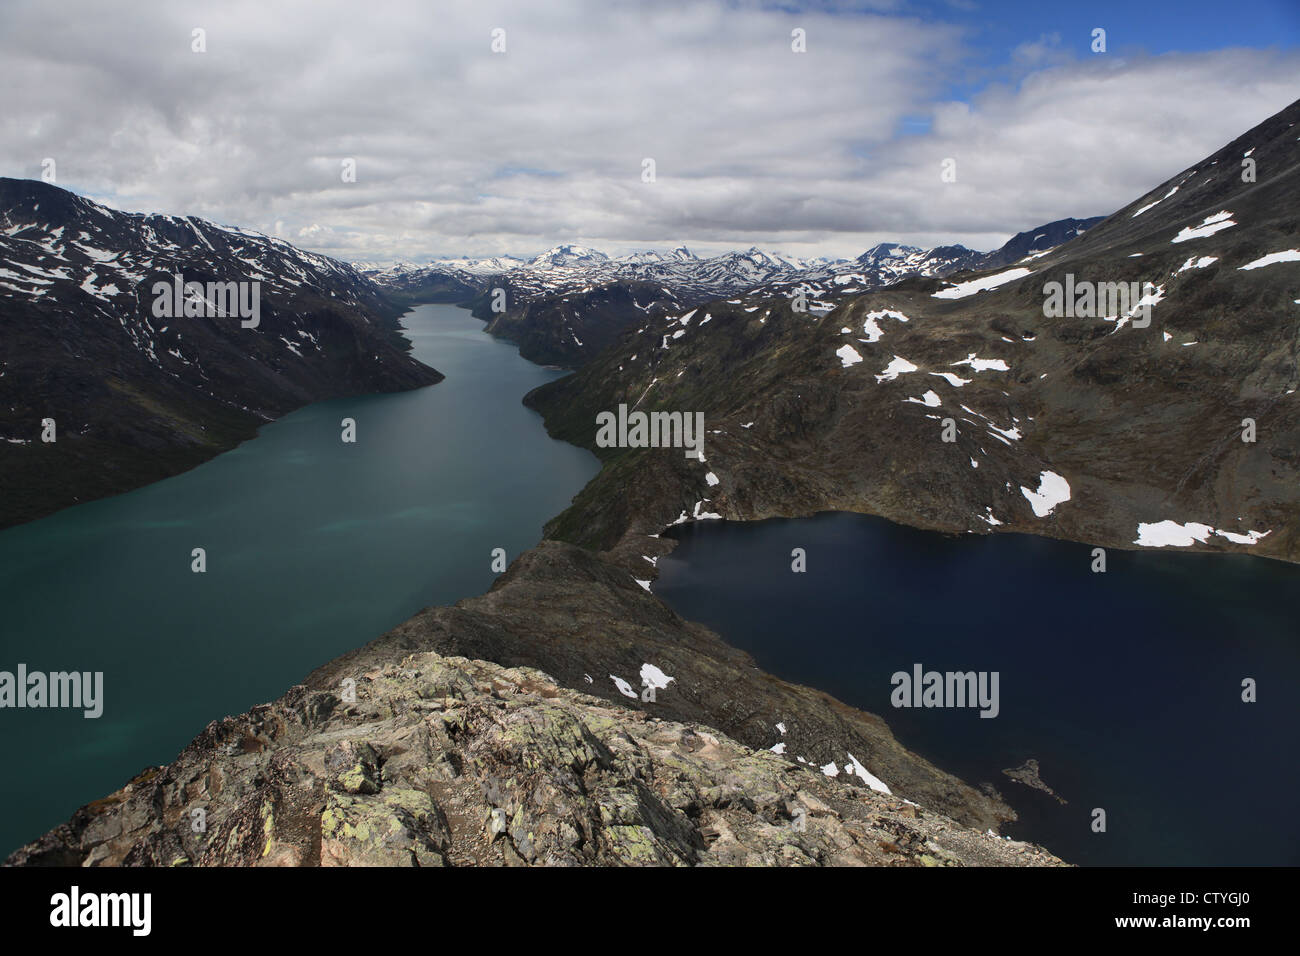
299 906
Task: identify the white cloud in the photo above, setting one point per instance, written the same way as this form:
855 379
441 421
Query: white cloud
462 150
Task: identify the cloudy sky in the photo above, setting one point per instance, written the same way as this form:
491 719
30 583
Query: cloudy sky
460 149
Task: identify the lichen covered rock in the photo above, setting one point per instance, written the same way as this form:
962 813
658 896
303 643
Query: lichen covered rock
495 766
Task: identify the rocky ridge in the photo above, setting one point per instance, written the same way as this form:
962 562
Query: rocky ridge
445 761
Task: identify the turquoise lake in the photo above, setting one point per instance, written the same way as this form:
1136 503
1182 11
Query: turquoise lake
314 547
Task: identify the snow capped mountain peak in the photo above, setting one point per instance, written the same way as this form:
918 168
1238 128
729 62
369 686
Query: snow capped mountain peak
641 258
887 250
568 255
755 257
489 266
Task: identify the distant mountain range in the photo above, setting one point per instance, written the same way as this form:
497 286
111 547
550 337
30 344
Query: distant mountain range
134 395
566 305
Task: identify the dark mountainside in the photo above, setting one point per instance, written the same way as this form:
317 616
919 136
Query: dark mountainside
413 288
845 411
1036 240
137 398
566 330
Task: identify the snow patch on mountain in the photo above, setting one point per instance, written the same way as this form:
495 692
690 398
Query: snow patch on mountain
899 366
1052 491
1286 255
971 286
1208 227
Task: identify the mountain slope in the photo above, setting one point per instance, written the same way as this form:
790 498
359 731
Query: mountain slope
1035 242
1140 427
565 329
135 395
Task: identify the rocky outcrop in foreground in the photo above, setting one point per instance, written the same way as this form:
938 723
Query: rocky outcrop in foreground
584 619
505 729
449 762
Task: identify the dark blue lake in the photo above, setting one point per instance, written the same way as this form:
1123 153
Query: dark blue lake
1126 686
314 547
